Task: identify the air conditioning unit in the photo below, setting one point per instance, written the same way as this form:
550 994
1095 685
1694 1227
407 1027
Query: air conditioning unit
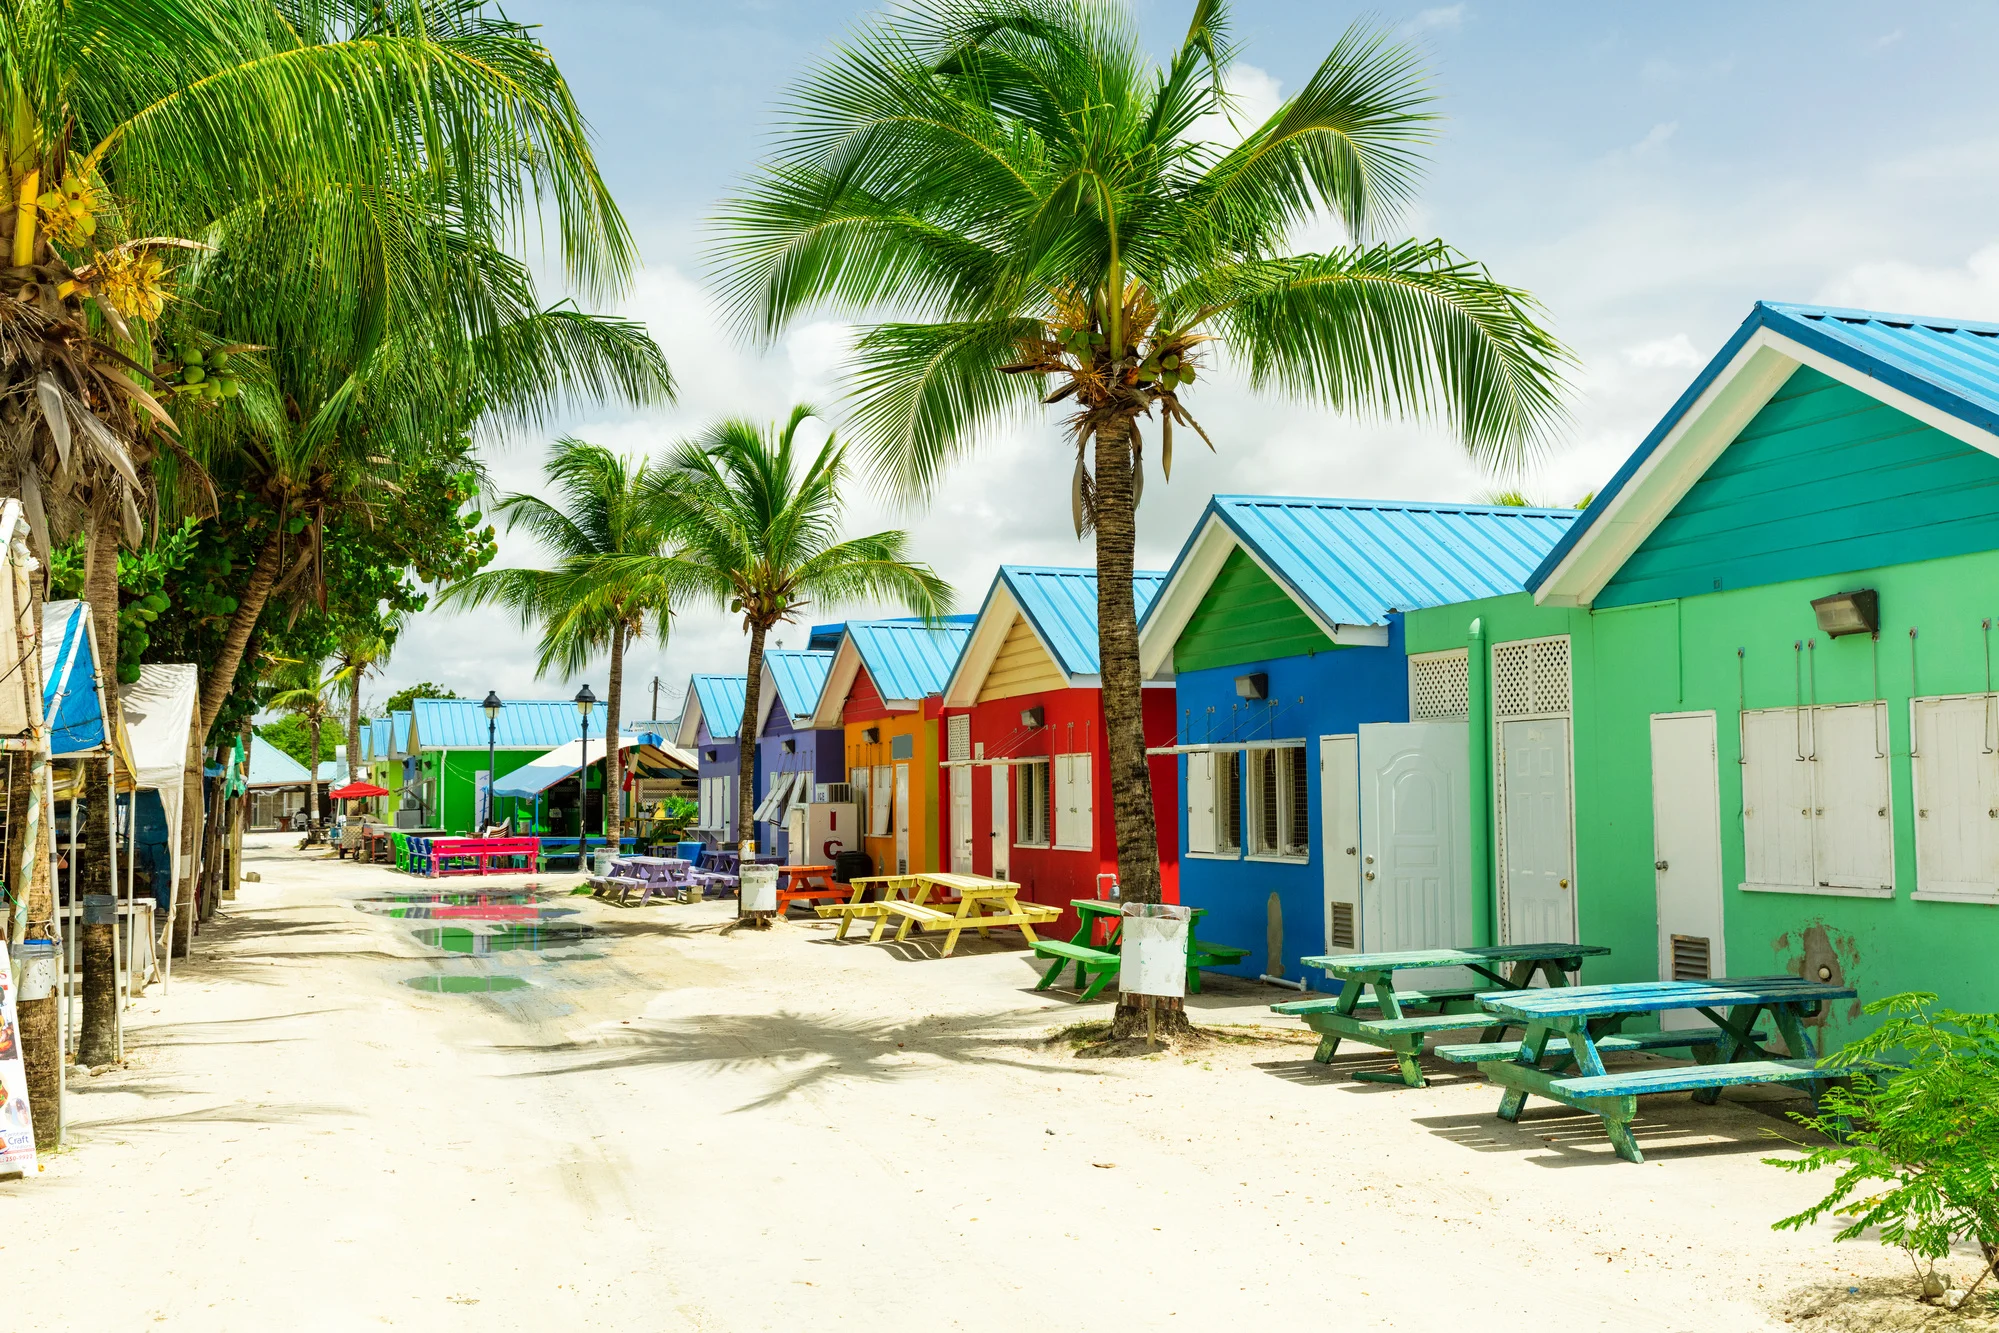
833 793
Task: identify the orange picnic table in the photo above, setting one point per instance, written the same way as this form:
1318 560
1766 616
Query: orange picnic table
806 884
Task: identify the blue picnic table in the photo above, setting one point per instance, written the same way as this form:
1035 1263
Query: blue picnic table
1398 1020
1568 1031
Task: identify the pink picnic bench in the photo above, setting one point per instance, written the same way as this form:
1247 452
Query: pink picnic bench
475 856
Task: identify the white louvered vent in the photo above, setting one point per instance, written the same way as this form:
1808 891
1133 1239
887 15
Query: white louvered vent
1438 689
1530 678
958 737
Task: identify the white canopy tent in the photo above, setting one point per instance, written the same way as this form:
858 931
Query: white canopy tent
533 779
160 710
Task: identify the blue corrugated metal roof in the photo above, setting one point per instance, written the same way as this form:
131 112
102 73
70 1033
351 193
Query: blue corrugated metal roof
721 700
272 767
378 738
799 677
907 659
399 725
1950 364
1355 561
1062 605
524 724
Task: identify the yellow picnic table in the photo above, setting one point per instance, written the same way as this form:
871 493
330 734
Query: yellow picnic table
982 904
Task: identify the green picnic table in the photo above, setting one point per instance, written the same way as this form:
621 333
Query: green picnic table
1097 964
1401 1019
1568 1032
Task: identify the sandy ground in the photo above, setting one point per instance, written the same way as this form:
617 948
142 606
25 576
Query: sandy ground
674 1128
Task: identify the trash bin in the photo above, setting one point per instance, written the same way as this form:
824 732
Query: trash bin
759 888
35 970
601 858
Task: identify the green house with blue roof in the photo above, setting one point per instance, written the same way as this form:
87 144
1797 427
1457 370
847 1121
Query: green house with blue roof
447 749
1741 719
1324 794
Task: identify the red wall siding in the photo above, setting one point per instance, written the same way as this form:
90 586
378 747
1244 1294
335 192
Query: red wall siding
864 701
1074 724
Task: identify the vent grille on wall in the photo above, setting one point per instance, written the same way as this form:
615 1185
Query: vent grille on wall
1690 958
958 737
1439 689
1530 678
1343 926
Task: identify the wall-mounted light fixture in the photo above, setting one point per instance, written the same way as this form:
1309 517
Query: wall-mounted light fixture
1256 685
871 735
791 747
1033 718
1856 612
713 755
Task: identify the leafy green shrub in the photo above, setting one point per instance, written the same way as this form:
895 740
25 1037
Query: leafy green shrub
1915 1137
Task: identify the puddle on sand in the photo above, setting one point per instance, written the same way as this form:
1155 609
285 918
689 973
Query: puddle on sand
450 911
461 898
504 938
467 985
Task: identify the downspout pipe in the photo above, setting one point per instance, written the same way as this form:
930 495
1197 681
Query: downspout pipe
1478 718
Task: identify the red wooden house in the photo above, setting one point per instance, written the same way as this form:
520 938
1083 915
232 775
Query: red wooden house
1026 785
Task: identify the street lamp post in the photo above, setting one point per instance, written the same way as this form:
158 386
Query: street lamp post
492 707
585 702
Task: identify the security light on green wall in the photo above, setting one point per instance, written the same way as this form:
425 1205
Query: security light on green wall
1856 612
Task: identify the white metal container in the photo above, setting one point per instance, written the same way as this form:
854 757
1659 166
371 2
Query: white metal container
819 832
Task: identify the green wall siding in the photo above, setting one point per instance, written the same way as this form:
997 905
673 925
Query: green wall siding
1245 617
1681 656
1824 479
457 796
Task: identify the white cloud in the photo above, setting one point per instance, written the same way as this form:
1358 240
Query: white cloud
1445 18
1254 95
1969 291
1676 352
1655 139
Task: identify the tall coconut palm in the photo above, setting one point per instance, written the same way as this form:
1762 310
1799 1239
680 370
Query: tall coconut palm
307 691
362 650
603 590
756 533
1042 210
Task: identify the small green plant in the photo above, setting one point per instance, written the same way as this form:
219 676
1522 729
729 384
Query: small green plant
1914 1137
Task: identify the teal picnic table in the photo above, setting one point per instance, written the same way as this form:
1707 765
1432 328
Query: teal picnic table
1568 1033
1398 1021
1097 964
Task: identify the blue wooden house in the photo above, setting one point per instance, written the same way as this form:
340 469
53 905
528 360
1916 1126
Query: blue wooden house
711 720
1315 755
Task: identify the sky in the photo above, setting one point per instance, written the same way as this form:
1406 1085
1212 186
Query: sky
1647 172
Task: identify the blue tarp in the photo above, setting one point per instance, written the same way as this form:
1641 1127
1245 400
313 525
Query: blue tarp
70 701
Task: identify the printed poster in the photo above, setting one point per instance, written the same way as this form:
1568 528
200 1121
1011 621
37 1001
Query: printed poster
17 1127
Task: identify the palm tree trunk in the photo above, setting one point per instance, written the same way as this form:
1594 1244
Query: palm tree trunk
221 680
312 773
100 582
1123 699
613 822
746 746
354 722
98 1041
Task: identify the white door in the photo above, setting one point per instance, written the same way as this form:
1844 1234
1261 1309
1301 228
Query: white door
1339 839
1415 840
961 820
1686 852
902 819
1002 834
1537 849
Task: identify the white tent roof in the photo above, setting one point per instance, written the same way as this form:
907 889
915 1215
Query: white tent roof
563 761
160 710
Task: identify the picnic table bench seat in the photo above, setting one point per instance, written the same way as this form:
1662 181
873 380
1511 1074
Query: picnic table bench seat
1672 1039
1327 1004
1203 954
1421 1024
1095 968
1691 1078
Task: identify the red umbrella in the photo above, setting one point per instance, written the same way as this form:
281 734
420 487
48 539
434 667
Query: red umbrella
356 791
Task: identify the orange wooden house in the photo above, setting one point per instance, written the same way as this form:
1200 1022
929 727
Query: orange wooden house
883 692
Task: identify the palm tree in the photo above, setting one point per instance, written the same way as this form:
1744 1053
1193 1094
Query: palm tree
755 534
306 690
1042 208
605 587
363 649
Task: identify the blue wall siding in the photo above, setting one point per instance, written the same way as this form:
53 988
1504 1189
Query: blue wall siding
1313 695
821 752
1823 480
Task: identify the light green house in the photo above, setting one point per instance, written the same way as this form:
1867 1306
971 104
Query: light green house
449 739
1742 723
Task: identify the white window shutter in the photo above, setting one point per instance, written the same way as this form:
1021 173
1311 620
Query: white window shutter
1957 797
1201 801
1854 841
882 803
1776 800
1086 822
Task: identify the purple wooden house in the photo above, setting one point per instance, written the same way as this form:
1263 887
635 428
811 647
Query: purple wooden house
709 725
792 680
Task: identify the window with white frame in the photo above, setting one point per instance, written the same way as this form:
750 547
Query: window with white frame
1071 799
1956 771
1817 816
1279 807
1228 801
1030 803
